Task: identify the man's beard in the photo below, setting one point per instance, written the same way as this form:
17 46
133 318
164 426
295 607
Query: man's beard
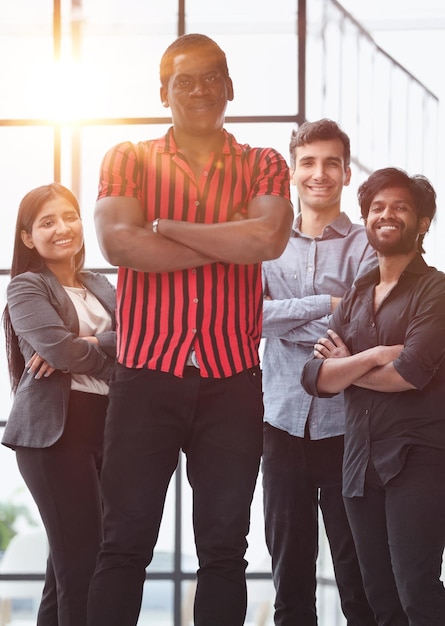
406 243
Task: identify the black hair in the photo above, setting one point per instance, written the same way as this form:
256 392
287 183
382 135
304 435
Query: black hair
420 188
189 43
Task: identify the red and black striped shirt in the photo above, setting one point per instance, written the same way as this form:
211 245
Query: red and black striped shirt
217 307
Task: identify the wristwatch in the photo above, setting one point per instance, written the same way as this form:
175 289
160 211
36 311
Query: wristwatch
155 224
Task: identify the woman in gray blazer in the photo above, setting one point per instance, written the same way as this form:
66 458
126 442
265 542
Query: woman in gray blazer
61 343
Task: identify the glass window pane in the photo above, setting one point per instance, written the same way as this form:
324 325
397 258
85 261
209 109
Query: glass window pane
261 49
26 161
157 603
119 52
26 41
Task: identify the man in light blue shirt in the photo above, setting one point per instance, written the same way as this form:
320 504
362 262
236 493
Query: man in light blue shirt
303 435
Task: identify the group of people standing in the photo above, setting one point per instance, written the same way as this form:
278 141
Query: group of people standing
110 386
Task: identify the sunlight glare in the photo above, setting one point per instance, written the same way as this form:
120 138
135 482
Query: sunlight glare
65 91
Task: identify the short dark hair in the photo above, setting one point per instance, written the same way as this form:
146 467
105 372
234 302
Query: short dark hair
190 43
420 188
323 130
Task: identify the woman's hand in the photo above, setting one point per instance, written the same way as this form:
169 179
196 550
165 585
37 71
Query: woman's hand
38 367
330 348
91 339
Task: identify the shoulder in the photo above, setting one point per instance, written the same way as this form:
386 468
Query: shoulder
268 157
345 224
27 280
27 277
128 157
99 285
434 277
32 292
96 279
255 154
358 229
127 150
119 151
355 237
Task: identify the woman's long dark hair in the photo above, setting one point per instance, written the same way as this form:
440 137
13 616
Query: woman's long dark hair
26 259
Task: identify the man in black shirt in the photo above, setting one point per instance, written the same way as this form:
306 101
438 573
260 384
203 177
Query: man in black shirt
386 350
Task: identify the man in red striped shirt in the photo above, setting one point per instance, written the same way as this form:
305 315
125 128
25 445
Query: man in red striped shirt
187 218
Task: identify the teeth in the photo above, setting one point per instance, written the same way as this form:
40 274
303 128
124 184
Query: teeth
388 227
62 241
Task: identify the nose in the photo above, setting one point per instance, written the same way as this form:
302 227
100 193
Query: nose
62 226
319 172
199 88
387 213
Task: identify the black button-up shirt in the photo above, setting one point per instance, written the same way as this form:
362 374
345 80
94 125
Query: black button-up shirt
379 425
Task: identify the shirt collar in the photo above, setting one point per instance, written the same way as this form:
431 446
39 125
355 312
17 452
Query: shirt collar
341 225
417 266
168 144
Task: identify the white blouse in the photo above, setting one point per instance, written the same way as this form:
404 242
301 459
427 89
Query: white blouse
93 319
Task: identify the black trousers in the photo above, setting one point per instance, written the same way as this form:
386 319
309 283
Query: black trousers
152 416
299 475
399 529
64 482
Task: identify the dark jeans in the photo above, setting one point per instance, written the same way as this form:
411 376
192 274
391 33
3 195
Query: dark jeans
298 475
64 482
399 529
218 424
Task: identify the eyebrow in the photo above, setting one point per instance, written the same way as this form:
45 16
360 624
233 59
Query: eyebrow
49 216
311 158
46 217
400 199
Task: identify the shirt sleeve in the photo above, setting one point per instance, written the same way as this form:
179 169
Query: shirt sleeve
271 174
311 369
296 319
120 172
424 346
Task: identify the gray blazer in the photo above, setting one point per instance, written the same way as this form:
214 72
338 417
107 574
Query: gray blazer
46 322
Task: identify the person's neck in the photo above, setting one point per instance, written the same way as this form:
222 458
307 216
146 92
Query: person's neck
199 147
65 275
313 222
392 267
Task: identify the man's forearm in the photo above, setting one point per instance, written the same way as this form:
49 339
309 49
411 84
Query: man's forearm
337 374
145 251
384 378
243 242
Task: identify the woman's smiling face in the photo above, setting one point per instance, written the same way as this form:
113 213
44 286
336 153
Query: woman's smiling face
56 233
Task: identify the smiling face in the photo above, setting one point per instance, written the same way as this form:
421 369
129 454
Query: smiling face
197 93
56 233
320 174
393 225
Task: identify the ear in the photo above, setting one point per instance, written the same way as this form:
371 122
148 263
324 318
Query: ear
424 225
347 176
164 98
230 91
27 239
291 174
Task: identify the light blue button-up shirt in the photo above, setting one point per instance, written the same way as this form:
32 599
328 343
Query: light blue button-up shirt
301 282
